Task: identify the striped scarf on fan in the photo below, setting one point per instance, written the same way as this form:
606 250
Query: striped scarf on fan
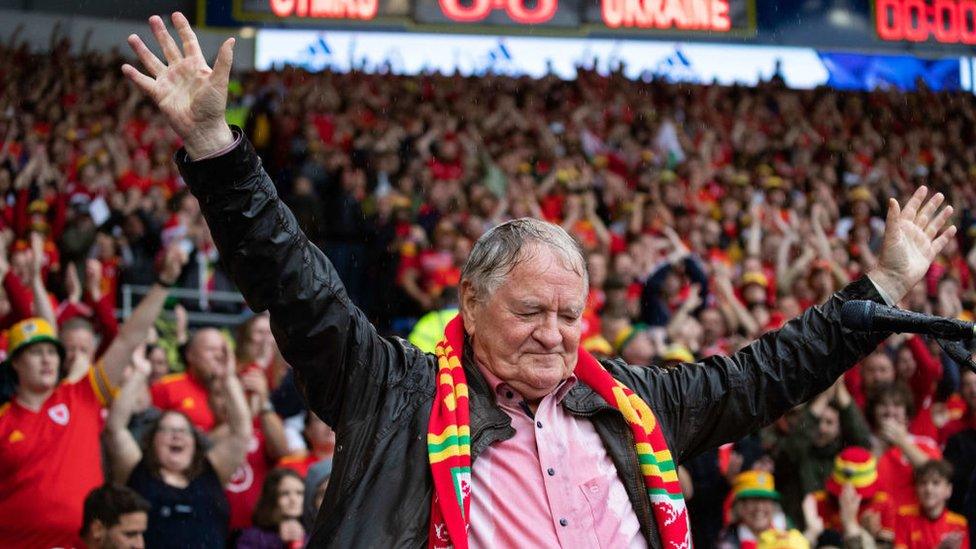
449 448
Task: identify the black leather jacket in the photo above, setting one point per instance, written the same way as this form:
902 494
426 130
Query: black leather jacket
377 392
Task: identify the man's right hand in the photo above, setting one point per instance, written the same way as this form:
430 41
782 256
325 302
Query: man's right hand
191 94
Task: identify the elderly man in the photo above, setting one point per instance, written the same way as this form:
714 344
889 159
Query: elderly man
510 435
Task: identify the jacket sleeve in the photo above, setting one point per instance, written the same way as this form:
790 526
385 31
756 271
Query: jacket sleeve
341 364
722 399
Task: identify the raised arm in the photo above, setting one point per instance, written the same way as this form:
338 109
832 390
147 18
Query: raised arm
133 332
229 452
124 452
337 355
725 398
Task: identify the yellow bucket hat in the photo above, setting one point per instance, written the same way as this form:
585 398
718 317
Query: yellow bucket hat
29 332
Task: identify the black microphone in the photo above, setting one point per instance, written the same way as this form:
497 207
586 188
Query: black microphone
868 316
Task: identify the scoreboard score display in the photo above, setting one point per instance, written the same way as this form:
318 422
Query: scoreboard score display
579 17
943 21
926 28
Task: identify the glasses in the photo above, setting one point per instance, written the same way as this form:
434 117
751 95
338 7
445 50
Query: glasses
163 430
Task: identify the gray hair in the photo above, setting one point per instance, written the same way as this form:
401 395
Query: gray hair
505 246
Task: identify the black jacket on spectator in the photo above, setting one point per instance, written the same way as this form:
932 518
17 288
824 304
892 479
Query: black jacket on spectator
960 450
377 392
654 308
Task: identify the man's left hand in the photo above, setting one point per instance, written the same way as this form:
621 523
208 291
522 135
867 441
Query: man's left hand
911 242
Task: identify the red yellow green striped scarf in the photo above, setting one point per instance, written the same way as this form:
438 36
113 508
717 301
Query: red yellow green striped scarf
449 448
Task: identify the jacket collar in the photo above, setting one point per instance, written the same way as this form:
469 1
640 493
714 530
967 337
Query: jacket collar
489 423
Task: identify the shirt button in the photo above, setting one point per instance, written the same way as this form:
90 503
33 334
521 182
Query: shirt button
538 424
551 471
563 522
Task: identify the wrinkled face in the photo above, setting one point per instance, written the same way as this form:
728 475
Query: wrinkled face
756 514
174 442
37 367
933 493
877 369
128 533
828 428
291 494
78 342
527 332
207 354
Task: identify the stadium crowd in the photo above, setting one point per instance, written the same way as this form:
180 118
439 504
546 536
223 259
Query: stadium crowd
708 215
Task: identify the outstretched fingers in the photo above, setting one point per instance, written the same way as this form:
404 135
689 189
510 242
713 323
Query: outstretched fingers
943 239
911 207
936 224
191 48
143 82
223 64
925 214
894 212
170 50
146 57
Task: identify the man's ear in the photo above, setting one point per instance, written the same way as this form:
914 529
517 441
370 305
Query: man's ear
97 533
468 306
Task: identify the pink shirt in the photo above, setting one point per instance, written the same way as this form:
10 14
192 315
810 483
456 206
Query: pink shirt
551 485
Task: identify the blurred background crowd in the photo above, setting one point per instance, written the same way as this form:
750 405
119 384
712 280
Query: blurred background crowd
708 215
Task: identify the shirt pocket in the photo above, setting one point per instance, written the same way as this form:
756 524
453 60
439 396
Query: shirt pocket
614 521
596 493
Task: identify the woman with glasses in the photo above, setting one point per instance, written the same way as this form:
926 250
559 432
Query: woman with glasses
175 469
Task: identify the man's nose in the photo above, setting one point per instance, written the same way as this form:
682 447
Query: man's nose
547 332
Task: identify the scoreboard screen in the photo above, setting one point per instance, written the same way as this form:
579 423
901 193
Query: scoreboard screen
565 17
941 21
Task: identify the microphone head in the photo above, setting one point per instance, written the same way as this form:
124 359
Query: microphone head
857 315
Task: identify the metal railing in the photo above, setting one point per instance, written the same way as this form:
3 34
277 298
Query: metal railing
132 294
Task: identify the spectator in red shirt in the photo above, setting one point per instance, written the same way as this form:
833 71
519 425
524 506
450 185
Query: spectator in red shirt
851 505
928 524
960 446
889 410
188 392
49 432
